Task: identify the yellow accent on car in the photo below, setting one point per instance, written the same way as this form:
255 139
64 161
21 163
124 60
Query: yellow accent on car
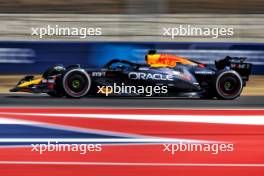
28 83
152 58
166 60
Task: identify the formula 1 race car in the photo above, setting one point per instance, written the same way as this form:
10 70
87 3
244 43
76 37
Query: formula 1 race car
163 75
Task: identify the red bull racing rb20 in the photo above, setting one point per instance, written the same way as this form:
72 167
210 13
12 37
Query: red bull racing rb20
168 75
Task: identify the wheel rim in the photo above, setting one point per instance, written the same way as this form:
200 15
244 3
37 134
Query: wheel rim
229 85
76 83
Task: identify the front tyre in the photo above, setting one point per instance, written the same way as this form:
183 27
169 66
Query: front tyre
229 85
76 83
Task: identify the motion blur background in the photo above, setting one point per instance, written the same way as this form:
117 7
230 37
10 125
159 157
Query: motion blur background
132 6
136 21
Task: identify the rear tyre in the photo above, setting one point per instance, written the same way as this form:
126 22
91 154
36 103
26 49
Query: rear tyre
76 83
229 85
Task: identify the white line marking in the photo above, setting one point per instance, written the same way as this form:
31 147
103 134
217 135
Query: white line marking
133 164
129 137
148 140
240 120
70 128
85 130
122 108
8 121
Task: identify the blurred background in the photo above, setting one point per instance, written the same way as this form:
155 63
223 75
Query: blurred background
123 22
132 6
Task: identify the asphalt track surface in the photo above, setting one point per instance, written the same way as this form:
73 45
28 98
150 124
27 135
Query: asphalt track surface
42 100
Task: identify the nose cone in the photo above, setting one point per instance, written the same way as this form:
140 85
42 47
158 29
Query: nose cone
15 89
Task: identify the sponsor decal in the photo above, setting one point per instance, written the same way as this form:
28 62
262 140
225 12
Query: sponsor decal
204 72
98 74
147 76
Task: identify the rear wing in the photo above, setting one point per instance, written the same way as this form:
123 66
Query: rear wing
235 63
